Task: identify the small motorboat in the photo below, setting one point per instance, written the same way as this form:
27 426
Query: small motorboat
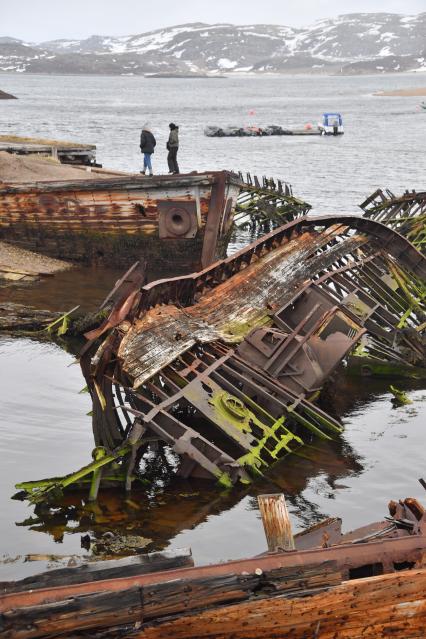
332 124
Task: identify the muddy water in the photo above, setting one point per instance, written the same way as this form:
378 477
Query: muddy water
44 427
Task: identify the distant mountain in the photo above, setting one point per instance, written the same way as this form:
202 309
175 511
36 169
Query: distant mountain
351 43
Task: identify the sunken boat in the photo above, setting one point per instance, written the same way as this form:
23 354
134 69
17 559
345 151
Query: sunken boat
224 366
405 213
367 583
181 223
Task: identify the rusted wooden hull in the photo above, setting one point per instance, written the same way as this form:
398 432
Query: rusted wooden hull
376 588
386 606
181 221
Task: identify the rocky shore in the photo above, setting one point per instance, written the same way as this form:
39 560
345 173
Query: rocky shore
7 96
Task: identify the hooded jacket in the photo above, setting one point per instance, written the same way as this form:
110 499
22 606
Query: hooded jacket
174 138
148 141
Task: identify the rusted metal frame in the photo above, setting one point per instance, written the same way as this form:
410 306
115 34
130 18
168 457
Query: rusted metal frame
265 385
280 348
298 344
248 373
361 288
346 277
217 465
369 296
395 244
400 307
250 442
275 402
375 284
219 375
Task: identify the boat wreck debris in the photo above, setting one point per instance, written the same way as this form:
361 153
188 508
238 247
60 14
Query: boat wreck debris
376 574
406 213
178 223
65 152
223 366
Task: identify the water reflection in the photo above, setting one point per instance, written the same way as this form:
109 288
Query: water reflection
159 513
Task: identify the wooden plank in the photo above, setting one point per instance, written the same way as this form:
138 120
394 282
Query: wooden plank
109 569
103 609
390 605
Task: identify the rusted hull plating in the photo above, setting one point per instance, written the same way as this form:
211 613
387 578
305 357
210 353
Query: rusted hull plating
223 365
181 222
238 350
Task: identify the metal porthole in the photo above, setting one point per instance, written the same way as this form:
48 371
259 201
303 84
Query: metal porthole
178 221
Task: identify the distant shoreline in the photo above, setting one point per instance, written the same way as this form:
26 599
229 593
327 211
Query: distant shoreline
409 93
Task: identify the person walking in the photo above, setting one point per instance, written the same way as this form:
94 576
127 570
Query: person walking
147 146
172 147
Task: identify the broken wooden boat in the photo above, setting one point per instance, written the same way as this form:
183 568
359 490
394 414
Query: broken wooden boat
176 224
223 366
65 152
405 213
368 583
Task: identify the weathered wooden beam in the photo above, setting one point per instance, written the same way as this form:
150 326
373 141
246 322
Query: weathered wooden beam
391 605
276 522
173 597
100 570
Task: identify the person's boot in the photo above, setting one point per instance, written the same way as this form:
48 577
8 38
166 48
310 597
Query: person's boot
142 172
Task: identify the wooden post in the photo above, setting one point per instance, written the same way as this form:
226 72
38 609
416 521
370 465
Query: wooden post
276 522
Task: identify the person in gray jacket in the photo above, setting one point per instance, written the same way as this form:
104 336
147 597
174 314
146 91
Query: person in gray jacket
172 147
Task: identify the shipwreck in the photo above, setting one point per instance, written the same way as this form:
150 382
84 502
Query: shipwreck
370 582
224 366
177 224
405 213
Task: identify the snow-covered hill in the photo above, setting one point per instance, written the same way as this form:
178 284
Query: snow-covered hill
351 43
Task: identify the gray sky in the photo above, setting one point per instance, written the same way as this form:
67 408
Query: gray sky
38 20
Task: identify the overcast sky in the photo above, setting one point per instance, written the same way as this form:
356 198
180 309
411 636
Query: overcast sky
38 20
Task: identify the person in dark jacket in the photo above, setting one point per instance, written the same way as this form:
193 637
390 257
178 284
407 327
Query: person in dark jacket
172 147
147 145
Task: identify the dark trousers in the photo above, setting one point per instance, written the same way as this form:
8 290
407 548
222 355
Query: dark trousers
172 160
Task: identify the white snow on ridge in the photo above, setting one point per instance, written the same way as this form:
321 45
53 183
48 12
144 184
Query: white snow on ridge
225 63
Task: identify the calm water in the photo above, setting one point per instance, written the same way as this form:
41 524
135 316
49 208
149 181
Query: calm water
383 145
44 429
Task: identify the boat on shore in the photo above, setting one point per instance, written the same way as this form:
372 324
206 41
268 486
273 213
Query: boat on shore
179 222
66 152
